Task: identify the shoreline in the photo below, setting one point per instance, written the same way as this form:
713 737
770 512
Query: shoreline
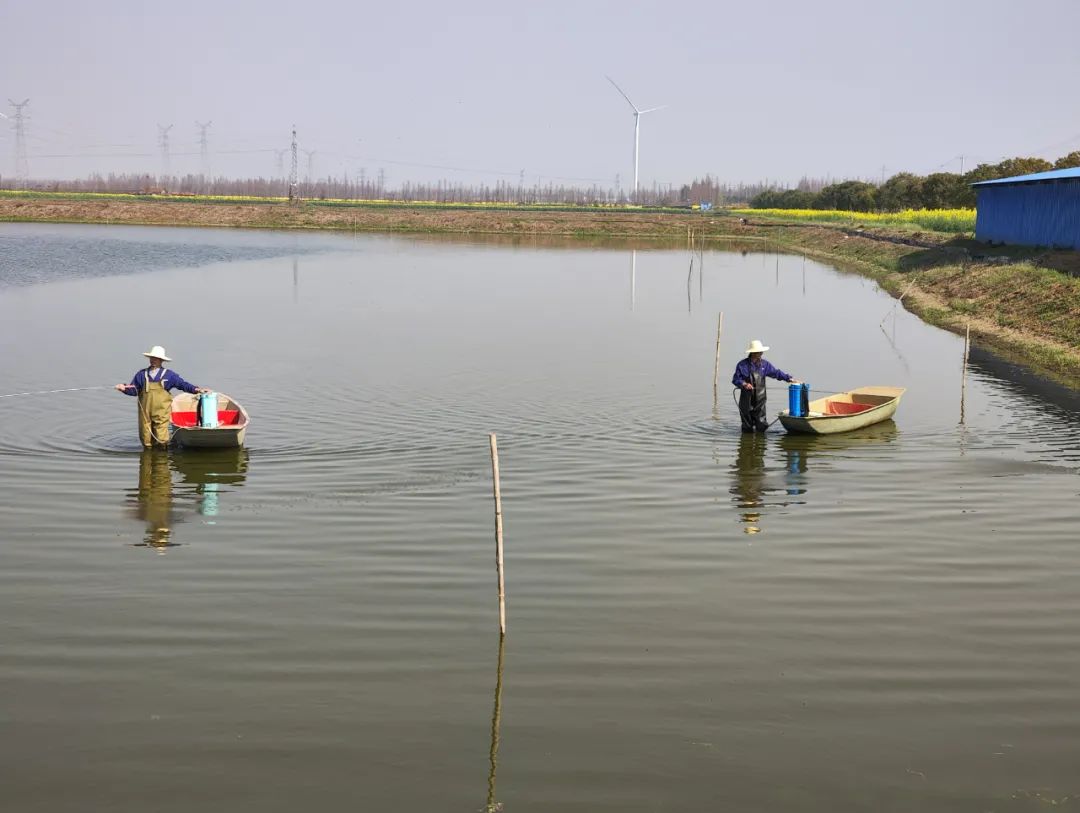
1017 308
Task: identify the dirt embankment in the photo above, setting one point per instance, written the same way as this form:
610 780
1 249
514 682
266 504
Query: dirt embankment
395 218
1022 304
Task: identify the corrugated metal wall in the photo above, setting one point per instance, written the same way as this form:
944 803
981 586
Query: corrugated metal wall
1032 214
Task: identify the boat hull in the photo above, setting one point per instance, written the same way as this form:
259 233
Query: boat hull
835 413
221 437
228 434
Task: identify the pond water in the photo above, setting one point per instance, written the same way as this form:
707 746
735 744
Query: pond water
698 619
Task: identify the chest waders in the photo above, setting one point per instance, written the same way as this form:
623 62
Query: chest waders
752 403
155 412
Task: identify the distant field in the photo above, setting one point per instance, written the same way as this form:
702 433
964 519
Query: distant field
947 220
342 202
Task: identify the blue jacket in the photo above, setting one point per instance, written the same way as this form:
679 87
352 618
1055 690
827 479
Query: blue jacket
742 372
169 380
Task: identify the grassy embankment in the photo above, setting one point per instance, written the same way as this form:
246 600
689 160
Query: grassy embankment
1022 303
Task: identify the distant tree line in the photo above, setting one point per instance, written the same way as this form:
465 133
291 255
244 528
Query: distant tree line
359 187
939 190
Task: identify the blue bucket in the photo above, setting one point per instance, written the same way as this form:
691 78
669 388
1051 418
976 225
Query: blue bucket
798 400
208 410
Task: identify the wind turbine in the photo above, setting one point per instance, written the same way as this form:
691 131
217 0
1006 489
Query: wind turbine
637 126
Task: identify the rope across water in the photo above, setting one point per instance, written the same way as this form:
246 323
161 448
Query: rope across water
53 392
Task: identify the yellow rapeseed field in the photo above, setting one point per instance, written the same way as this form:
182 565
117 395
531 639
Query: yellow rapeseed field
947 220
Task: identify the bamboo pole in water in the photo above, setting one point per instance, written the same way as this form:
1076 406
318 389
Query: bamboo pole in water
498 533
716 367
963 374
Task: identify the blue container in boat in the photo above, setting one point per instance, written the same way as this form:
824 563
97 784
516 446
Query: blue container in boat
799 400
208 409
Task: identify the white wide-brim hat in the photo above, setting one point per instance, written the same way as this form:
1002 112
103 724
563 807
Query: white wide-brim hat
157 352
755 347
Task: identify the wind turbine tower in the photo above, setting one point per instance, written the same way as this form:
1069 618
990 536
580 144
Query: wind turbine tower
637 127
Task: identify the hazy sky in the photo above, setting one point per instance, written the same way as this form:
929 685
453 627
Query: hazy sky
477 91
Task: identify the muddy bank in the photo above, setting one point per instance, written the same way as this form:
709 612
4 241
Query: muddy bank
378 218
1022 305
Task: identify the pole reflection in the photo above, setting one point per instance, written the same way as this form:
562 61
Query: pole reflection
494 806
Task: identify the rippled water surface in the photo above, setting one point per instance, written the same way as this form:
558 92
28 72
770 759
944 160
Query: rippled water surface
698 620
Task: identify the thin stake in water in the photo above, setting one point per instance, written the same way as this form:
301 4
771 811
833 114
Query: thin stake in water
716 367
963 373
498 533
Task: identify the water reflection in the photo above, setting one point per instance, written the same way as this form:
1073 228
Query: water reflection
493 806
800 450
154 500
759 482
749 479
206 475
210 473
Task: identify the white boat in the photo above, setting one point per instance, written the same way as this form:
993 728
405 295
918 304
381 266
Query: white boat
232 423
845 411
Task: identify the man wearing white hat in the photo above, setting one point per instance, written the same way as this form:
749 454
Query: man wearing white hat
152 387
749 378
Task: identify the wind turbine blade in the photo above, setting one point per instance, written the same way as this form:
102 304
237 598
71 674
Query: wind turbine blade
651 109
623 94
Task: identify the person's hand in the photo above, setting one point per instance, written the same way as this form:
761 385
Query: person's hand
123 387
794 381
202 389
747 386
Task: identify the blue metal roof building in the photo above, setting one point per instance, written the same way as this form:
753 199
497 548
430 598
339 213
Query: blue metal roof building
1042 209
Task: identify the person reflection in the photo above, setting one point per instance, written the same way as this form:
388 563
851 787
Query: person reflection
202 479
749 479
154 499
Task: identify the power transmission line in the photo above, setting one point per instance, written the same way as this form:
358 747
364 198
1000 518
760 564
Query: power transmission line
163 143
22 165
204 150
292 173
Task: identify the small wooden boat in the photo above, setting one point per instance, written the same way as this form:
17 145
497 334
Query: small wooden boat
846 411
232 423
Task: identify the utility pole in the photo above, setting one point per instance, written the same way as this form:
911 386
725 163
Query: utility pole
280 163
961 165
292 174
22 165
163 142
204 149
382 181
882 174
310 165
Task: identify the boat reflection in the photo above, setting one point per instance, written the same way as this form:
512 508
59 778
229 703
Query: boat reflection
759 483
202 476
799 448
